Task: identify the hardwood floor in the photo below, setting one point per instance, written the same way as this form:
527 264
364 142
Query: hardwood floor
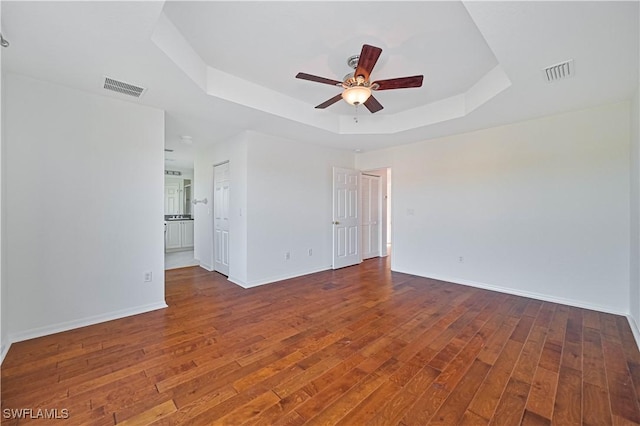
360 345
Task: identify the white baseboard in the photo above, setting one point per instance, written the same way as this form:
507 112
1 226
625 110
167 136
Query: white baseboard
70 325
263 281
207 267
237 281
523 293
3 350
634 329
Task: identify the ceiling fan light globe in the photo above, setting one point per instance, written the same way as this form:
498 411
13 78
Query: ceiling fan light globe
356 95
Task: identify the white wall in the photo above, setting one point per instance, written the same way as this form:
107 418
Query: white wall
84 186
280 200
634 283
538 208
4 338
289 207
235 152
634 295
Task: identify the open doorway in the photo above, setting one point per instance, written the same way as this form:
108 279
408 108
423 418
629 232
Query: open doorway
178 219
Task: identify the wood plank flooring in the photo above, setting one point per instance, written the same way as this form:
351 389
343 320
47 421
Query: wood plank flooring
360 345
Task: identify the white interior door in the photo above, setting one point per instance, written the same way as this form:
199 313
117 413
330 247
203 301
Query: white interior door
346 236
221 183
371 203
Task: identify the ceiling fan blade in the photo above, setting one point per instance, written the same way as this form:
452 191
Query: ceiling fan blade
399 83
330 102
368 58
305 76
373 105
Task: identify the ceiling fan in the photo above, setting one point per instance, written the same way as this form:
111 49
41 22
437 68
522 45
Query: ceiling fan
357 86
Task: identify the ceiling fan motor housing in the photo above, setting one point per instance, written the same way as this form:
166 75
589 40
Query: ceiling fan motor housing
352 61
350 80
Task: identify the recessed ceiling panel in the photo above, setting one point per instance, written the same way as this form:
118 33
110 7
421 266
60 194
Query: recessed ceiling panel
268 43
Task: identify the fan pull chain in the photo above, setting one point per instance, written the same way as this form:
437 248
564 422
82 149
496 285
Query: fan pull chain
356 116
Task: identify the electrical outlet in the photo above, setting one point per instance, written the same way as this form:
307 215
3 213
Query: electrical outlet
148 277
287 256
461 259
310 252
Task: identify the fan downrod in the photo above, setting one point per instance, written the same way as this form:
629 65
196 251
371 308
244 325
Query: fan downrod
352 61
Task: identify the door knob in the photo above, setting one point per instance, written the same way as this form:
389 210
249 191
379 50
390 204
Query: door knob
335 222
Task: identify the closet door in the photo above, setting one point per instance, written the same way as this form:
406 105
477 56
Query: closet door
371 208
221 184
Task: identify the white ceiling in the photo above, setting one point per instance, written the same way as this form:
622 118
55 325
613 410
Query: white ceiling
217 68
269 45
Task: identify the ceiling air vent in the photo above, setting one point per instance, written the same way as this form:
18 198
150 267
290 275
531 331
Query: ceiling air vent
122 87
559 71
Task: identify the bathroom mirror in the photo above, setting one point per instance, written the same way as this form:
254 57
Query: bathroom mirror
178 195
